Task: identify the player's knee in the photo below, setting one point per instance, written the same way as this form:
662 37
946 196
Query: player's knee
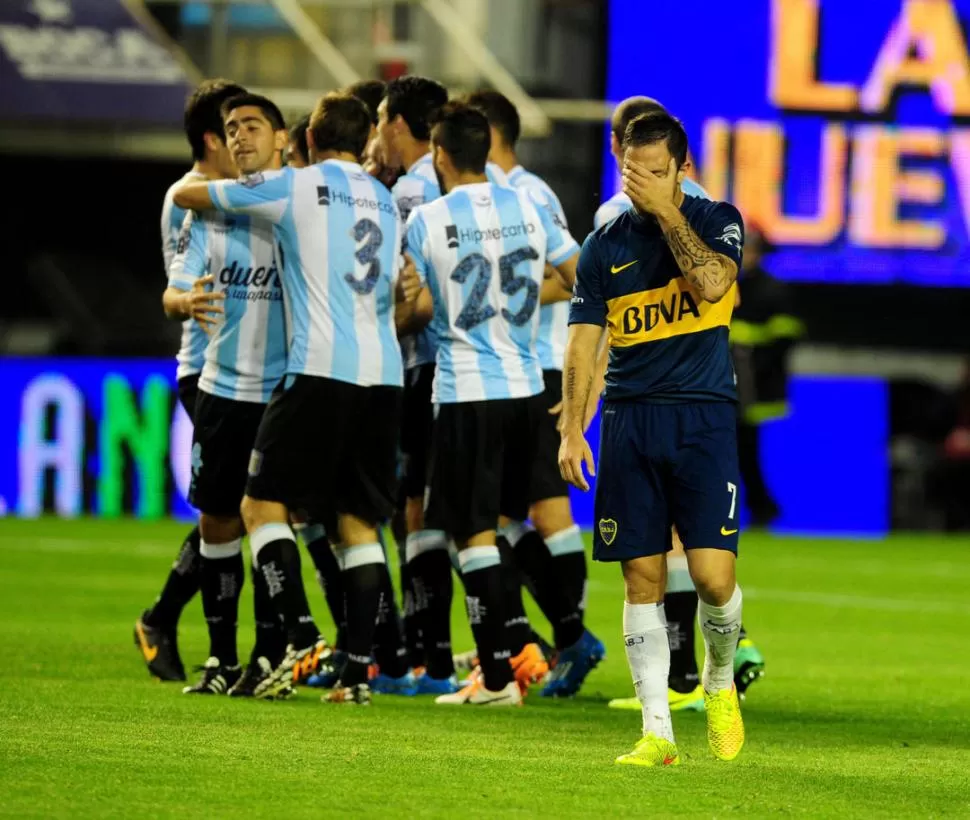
217 529
644 579
551 515
250 510
414 514
713 573
714 589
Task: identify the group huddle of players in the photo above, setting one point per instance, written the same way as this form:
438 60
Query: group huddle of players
375 305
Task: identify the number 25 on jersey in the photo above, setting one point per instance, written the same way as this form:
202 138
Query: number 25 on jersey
477 309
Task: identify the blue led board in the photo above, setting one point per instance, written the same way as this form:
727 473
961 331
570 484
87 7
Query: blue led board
108 438
827 464
841 128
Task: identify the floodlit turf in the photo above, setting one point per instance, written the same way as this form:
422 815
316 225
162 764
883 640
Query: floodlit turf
865 710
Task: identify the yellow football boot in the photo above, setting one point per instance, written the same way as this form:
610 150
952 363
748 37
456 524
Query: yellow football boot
651 751
725 729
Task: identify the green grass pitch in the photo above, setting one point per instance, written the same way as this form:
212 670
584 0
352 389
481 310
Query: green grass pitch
864 712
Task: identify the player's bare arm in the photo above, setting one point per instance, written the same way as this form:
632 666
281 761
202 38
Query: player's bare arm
408 283
567 271
553 287
199 304
599 378
577 383
709 273
412 316
193 196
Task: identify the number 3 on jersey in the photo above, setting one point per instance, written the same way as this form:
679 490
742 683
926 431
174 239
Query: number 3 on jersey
476 310
370 233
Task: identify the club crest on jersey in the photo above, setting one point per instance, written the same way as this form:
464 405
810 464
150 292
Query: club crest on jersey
253 180
731 235
323 194
607 528
451 234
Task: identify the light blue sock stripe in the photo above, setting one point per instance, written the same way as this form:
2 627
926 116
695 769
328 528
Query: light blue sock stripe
276 531
477 564
266 534
473 559
360 555
565 542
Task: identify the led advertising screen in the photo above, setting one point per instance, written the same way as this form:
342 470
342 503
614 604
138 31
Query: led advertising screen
108 438
841 128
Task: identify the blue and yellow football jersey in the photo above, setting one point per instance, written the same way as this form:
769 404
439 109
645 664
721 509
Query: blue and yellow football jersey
666 344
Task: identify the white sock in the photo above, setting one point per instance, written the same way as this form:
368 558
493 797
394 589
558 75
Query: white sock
648 653
721 627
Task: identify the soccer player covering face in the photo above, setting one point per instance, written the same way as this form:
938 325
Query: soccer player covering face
661 279
327 442
481 250
156 629
685 692
623 115
233 258
552 556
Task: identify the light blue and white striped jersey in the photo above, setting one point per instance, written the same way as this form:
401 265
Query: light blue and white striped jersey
554 318
191 355
246 356
416 186
620 202
338 244
482 252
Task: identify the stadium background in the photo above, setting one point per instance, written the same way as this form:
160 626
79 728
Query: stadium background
864 196
881 288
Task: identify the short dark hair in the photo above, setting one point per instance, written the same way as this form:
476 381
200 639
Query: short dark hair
630 109
203 115
298 136
462 131
502 114
370 93
270 110
340 122
657 127
418 101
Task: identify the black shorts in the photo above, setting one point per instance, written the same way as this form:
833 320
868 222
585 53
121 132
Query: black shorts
188 390
328 447
663 464
547 481
481 464
417 422
221 446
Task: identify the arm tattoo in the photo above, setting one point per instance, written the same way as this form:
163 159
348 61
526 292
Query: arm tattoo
571 383
703 268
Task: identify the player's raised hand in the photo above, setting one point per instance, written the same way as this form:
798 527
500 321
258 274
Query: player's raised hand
574 452
648 192
408 283
203 305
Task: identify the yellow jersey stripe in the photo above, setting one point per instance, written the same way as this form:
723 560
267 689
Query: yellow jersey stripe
662 313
